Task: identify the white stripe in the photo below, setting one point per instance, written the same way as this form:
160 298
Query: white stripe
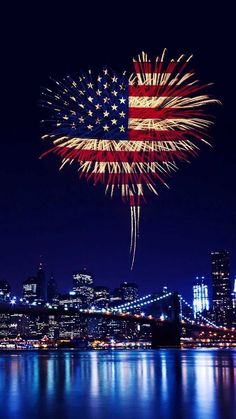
131 145
150 102
167 101
159 79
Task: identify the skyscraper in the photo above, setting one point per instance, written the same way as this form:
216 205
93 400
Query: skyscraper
129 291
51 289
234 294
115 297
234 304
42 282
83 286
31 290
221 297
200 296
5 291
101 297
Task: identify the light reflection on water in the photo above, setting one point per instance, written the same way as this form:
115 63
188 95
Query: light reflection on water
118 384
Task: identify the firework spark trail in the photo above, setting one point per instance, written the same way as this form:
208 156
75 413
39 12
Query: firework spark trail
129 133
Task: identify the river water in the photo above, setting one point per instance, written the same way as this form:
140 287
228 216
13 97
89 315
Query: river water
148 384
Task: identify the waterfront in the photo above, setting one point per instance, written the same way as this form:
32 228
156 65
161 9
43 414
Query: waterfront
114 384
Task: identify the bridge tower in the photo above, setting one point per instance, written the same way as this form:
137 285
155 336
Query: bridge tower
167 333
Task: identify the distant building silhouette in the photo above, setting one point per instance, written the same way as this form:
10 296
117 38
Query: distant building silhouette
115 297
234 295
5 291
129 291
52 292
31 290
221 295
101 297
83 286
42 282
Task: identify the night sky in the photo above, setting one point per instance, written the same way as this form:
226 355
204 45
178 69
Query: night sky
70 222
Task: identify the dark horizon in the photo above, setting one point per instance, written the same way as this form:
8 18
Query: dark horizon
68 221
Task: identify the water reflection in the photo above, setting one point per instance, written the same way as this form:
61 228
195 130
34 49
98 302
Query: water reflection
127 384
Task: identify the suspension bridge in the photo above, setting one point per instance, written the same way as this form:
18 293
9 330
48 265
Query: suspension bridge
169 315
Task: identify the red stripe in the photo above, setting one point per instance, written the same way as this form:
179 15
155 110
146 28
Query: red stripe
164 113
147 67
164 90
164 135
132 200
119 156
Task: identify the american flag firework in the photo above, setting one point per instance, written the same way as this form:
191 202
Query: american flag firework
129 132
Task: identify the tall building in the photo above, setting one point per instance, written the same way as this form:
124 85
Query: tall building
221 296
129 291
115 297
31 290
70 300
200 296
234 304
52 293
234 295
101 297
83 287
42 282
5 291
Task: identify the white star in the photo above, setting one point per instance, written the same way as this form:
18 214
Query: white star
106 99
106 127
106 113
105 71
81 119
99 78
90 113
105 85
122 100
90 98
122 128
90 85
114 79
99 92
90 126
114 107
114 121
98 120
97 106
122 114
114 92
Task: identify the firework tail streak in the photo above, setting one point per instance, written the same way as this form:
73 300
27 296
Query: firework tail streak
129 132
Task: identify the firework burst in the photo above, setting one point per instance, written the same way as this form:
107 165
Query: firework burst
129 133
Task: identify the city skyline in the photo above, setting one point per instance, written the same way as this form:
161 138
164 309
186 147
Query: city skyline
68 285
